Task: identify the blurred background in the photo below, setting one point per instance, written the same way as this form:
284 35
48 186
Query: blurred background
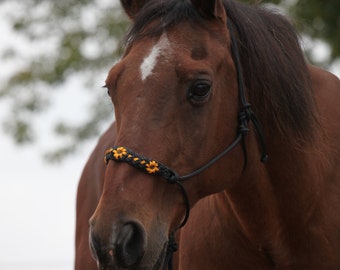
54 57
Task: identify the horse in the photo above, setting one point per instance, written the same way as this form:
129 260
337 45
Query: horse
225 147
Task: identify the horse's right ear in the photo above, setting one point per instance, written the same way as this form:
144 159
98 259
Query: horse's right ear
132 7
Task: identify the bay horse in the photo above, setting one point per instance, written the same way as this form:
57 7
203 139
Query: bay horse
226 147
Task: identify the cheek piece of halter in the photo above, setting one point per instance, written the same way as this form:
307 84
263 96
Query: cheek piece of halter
152 167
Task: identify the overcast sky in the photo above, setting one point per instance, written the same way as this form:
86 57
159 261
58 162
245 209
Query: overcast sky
37 206
37 199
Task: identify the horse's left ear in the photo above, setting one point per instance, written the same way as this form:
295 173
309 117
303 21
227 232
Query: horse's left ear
210 9
132 7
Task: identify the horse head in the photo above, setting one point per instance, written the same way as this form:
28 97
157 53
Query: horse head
177 102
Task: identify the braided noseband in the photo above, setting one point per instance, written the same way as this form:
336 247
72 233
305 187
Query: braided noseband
152 167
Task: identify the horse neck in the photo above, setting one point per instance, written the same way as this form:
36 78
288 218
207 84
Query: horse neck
276 203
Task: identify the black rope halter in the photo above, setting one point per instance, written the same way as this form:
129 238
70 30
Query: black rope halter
152 167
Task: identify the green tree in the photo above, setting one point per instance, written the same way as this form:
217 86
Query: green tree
319 20
79 40
62 40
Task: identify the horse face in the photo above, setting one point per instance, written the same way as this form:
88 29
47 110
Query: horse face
176 101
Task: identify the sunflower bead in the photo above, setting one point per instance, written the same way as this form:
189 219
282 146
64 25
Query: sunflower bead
152 167
120 152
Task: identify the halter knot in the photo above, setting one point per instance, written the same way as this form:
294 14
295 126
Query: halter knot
170 176
172 247
244 116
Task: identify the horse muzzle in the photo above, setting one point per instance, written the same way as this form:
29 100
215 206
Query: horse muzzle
123 248
127 245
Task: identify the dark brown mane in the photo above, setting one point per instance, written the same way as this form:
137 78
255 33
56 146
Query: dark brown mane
275 71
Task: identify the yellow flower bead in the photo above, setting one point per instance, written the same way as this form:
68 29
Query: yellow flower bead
119 153
152 167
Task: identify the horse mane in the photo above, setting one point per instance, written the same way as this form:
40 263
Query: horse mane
275 71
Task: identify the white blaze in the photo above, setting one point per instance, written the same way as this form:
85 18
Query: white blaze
150 61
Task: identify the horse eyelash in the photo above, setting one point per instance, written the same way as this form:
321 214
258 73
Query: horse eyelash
107 88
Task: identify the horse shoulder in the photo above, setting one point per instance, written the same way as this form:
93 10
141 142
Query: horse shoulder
89 191
327 95
327 92
326 87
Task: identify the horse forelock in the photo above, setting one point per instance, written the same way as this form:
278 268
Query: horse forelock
276 75
169 13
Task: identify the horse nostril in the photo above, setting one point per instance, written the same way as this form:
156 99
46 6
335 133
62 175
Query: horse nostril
118 248
130 244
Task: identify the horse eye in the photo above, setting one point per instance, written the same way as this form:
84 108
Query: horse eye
199 91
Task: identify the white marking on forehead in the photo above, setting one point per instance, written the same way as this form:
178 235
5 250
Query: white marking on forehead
150 61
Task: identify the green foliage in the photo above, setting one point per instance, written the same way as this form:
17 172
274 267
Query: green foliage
320 19
63 39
